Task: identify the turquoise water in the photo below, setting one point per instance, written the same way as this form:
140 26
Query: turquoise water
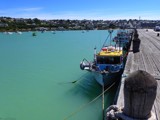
36 75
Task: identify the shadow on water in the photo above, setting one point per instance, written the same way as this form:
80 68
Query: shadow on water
86 87
90 89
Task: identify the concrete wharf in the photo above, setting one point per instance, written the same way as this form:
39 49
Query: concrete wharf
148 59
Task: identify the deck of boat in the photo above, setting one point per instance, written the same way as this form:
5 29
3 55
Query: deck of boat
148 59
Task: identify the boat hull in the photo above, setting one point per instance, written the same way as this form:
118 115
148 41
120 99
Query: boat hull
106 79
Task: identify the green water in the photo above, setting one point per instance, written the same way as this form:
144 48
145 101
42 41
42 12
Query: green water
35 73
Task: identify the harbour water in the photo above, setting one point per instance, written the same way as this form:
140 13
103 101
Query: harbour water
36 75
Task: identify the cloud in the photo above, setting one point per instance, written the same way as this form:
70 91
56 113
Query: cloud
14 11
31 9
21 12
2 11
105 14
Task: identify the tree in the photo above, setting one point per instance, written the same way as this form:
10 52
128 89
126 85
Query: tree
111 25
37 21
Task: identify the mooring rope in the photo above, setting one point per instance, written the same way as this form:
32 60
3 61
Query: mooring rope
79 79
85 105
103 101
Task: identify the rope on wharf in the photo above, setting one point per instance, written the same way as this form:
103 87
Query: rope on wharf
85 105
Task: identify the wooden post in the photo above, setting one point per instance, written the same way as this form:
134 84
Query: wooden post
139 94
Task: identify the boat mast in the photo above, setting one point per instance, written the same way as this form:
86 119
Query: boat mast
119 42
110 33
95 52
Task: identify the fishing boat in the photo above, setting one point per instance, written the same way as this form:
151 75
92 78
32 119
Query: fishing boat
18 32
9 33
107 65
34 34
53 32
123 39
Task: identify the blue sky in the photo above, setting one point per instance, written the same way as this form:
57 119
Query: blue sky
81 9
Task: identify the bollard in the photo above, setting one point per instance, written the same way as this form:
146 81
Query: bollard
136 44
139 94
135 31
136 35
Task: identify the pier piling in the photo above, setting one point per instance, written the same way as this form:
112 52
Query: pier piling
139 94
136 43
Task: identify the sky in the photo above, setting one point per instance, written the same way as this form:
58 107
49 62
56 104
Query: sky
81 9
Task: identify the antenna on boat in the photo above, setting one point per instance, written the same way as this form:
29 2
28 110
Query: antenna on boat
119 42
105 41
110 33
119 45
